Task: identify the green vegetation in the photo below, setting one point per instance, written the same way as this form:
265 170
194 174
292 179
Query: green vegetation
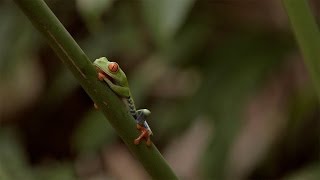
308 36
228 89
72 55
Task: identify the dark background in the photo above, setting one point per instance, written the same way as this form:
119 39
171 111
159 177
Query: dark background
224 79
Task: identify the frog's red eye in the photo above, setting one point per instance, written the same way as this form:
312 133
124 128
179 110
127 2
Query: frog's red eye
113 67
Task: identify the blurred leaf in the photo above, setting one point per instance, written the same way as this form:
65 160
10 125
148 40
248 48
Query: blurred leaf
92 10
309 173
298 145
232 77
307 34
190 42
13 164
55 171
93 132
16 37
120 35
63 84
93 7
165 17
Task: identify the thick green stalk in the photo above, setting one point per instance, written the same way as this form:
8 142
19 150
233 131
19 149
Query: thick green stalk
72 55
307 35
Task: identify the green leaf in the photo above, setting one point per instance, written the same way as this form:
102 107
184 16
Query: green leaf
311 172
307 35
165 17
13 162
92 133
92 11
55 171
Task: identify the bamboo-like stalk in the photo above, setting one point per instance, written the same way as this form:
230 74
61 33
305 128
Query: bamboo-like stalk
76 60
308 37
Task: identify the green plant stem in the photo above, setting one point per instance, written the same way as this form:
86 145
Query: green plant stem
307 35
76 60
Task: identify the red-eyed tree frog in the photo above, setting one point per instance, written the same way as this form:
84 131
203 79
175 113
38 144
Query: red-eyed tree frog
112 74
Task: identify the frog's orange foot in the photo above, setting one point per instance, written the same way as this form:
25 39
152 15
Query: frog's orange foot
96 106
148 141
137 141
139 126
144 134
101 76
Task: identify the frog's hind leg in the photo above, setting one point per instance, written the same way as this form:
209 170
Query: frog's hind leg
143 134
148 141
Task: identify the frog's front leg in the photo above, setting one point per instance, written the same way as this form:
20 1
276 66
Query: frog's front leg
101 77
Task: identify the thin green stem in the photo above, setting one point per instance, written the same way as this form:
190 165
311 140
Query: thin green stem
76 60
307 35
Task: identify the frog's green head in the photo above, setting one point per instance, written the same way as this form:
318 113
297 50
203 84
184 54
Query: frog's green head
112 71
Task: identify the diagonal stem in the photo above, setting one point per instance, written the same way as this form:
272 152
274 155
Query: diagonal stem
307 35
76 60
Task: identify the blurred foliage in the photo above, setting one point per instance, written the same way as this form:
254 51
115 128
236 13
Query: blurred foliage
185 60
